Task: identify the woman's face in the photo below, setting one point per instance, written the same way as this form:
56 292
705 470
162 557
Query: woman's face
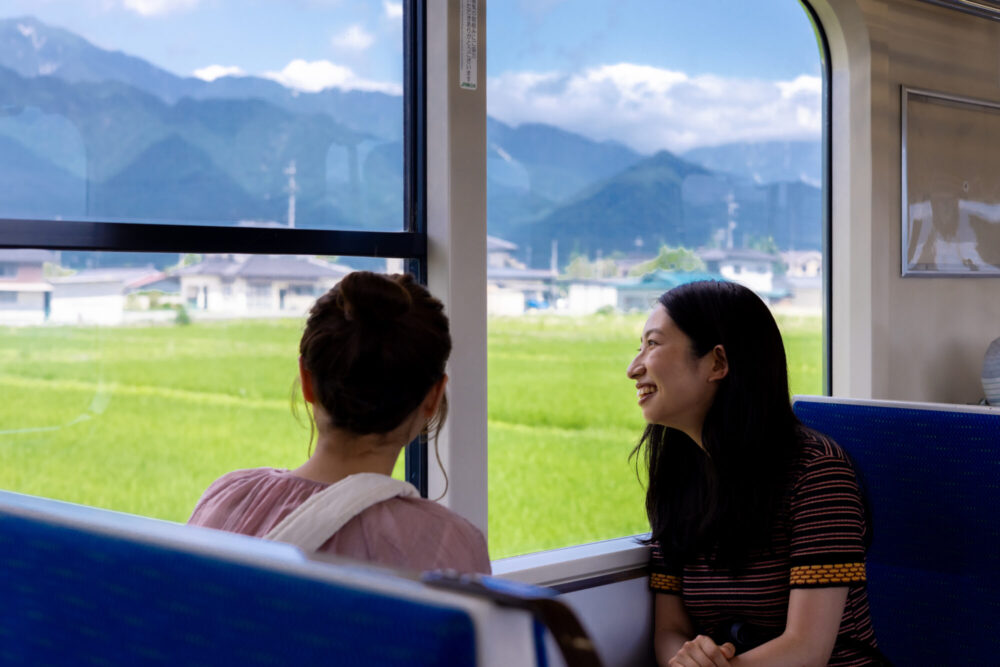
673 387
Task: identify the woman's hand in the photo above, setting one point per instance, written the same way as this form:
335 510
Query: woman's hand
703 652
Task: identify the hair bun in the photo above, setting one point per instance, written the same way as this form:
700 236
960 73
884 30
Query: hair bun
368 297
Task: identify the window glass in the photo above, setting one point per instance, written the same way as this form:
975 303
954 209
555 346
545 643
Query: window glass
132 385
632 146
269 113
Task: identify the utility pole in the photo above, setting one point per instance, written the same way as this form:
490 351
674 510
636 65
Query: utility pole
292 189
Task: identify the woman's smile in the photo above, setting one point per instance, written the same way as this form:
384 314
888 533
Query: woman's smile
644 392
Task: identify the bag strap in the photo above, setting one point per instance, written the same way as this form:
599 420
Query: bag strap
316 520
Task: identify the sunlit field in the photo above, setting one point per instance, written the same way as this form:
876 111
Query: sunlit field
142 419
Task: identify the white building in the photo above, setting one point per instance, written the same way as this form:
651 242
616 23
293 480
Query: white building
99 296
803 263
750 268
25 294
512 289
586 297
257 284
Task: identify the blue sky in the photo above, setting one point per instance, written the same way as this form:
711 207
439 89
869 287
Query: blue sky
606 68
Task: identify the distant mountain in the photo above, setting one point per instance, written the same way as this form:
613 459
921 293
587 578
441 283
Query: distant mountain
643 202
667 200
34 187
32 48
556 163
118 132
86 132
533 167
764 162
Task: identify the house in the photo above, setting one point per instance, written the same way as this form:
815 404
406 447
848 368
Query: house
102 295
511 288
587 296
25 294
803 263
500 253
641 294
751 268
257 284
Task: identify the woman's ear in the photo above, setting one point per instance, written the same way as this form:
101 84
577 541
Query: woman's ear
720 364
306 380
433 399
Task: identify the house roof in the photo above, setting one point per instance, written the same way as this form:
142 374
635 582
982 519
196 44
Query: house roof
14 286
511 273
111 274
27 256
496 244
271 267
664 280
736 254
802 256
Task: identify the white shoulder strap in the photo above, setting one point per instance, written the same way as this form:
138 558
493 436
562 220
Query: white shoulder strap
315 521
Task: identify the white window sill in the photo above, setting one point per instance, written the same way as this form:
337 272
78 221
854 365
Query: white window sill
597 562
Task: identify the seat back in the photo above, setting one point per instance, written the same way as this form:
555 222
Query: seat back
932 474
80 586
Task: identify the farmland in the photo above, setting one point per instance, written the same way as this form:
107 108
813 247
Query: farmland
142 419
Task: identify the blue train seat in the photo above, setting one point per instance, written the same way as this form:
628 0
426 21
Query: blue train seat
80 585
932 472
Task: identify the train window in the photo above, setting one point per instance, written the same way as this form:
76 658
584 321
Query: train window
270 146
633 146
133 386
270 115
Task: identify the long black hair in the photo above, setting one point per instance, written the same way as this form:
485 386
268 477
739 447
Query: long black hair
721 499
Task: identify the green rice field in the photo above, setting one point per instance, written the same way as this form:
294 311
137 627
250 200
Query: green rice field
142 419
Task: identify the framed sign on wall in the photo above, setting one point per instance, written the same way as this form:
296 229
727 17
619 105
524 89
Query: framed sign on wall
950 169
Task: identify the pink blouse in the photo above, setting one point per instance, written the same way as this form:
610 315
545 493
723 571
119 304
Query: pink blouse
411 533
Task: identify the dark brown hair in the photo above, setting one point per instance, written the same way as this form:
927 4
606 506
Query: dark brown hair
375 345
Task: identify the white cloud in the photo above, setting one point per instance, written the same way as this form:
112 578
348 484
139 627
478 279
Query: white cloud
319 74
213 72
355 38
651 108
155 7
393 10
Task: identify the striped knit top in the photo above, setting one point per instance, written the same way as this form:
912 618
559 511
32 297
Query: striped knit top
819 541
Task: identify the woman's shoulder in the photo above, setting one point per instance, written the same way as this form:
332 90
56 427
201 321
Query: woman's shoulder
815 446
252 480
422 510
239 493
420 534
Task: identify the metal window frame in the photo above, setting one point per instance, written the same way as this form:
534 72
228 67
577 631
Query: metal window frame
826 138
409 244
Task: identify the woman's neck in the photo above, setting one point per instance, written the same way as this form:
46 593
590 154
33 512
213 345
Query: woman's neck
339 454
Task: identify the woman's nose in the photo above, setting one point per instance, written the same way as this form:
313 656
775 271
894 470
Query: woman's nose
635 369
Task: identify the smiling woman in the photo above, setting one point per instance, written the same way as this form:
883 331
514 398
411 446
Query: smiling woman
745 505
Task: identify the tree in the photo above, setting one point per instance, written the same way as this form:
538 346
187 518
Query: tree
670 259
579 267
188 259
767 244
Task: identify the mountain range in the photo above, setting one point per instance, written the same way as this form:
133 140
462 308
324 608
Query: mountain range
97 134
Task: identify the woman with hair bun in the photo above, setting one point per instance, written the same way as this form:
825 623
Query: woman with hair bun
372 368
